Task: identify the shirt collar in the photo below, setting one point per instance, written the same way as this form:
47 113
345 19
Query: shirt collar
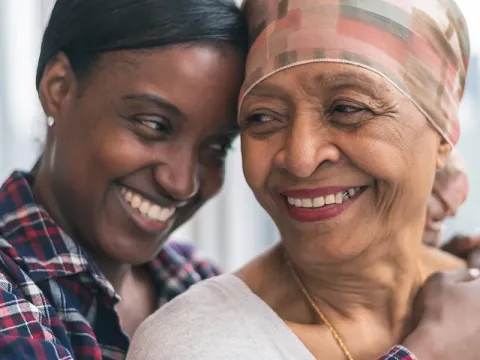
30 236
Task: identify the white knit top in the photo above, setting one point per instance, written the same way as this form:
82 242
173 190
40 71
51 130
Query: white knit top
220 318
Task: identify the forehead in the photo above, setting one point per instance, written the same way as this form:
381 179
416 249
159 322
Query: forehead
200 80
180 63
317 77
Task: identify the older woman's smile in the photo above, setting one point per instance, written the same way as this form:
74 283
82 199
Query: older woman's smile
308 205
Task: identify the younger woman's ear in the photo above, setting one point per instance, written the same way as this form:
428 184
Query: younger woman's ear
56 84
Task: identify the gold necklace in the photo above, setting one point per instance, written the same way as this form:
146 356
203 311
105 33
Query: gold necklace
322 316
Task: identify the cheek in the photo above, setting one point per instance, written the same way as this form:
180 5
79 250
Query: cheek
257 161
395 154
211 181
119 152
376 155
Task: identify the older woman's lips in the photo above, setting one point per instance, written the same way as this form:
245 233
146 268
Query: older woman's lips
309 205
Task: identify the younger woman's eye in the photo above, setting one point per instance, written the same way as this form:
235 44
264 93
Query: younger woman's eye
216 151
157 126
220 147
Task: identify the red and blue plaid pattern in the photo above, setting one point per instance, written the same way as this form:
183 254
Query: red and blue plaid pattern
398 353
54 303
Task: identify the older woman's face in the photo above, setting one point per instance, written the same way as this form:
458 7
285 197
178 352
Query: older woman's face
139 145
338 157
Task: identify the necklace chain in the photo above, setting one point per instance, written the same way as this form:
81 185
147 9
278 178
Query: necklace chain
321 315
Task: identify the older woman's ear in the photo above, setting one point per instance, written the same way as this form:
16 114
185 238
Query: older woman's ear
56 84
444 150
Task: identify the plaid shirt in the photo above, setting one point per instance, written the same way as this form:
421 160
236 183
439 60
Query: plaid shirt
399 353
54 302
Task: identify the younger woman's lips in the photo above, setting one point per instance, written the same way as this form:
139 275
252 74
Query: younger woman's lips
146 225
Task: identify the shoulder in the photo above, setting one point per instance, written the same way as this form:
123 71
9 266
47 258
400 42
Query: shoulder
25 310
179 266
201 322
179 256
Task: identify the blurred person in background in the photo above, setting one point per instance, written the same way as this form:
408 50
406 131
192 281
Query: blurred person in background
141 101
450 190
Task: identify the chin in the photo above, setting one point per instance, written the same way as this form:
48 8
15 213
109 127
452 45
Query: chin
131 250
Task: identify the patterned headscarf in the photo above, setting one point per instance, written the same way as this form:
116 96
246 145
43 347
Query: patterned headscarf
421 47
451 182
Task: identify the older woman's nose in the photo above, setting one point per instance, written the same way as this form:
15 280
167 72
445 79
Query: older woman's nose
179 177
305 149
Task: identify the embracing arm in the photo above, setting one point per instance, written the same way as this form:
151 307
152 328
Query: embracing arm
445 311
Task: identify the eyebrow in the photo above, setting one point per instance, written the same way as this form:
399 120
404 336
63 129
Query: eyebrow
266 90
343 81
157 101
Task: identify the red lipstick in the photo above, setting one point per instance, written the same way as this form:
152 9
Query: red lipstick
323 213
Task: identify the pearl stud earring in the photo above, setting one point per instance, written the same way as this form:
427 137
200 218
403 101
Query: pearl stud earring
50 121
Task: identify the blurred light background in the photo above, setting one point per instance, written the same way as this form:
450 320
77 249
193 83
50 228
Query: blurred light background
232 228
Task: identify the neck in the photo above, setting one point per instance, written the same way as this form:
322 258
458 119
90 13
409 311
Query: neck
379 284
114 271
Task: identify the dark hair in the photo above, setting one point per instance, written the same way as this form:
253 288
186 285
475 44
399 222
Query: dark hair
83 29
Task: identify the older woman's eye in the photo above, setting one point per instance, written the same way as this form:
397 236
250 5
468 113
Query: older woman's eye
259 118
346 109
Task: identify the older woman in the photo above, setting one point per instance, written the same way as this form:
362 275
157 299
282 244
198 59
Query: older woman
348 109
141 99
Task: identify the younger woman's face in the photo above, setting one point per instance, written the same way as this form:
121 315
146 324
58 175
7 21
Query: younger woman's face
139 145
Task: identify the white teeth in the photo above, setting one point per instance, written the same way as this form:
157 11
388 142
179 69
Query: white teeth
154 212
318 202
166 214
330 199
136 201
146 208
337 198
307 203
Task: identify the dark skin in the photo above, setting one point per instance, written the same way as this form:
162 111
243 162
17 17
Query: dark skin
466 247
332 125
156 122
443 311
